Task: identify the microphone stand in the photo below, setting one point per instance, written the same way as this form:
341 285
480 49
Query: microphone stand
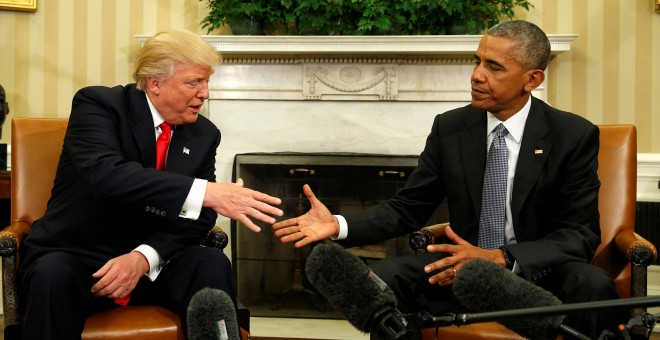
425 320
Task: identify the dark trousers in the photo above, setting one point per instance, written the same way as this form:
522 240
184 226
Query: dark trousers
55 296
570 282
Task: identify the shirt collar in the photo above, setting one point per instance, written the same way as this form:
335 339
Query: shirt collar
515 125
157 118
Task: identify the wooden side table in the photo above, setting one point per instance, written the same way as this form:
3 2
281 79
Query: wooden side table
5 185
5 198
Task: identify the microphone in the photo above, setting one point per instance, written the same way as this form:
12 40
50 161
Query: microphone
484 286
212 316
354 290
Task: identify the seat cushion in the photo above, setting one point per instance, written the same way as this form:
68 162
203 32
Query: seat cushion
476 331
134 322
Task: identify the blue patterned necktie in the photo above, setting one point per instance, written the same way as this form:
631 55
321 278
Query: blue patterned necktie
493 196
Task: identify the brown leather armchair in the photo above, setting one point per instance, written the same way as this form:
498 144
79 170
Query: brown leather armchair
36 146
623 253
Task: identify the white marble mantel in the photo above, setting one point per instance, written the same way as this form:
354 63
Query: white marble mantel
351 68
361 94
336 45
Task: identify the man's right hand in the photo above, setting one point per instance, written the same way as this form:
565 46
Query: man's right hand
119 276
316 225
238 203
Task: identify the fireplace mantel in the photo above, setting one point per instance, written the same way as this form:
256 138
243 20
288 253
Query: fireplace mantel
360 45
350 68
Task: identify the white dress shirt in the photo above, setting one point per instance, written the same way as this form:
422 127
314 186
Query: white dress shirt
191 209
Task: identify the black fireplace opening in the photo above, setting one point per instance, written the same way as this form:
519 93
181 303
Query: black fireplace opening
270 277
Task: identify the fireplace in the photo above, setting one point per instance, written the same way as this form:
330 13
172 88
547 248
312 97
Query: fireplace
270 276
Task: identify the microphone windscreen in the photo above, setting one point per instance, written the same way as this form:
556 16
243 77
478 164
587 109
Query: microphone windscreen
484 286
349 285
212 315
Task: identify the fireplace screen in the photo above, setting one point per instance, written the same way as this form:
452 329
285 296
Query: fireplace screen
270 276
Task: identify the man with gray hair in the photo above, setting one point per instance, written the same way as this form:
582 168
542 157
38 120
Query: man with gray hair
134 196
520 181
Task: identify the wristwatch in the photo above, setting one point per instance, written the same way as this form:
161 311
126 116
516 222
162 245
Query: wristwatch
507 258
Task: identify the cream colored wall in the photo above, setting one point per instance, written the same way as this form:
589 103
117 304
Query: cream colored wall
67 44
609 76
612 73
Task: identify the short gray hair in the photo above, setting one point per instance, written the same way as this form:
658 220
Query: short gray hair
533 46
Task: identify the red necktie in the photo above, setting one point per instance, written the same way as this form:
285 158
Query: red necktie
161 145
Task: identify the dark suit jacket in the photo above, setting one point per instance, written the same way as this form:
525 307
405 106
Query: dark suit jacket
554 197
108 197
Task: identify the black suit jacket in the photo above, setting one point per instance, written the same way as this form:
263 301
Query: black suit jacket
108 197
554 196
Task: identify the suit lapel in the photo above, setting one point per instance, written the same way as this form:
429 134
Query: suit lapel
472 144
179 156
143 128
534 152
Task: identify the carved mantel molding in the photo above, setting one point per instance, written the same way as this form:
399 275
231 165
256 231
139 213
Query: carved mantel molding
352 68
361 45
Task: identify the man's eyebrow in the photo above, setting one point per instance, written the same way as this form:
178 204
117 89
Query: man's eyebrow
493 62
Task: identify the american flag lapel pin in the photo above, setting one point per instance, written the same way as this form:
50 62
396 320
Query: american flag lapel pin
186 150
538 151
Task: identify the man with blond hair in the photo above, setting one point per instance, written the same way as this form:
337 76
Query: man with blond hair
123 225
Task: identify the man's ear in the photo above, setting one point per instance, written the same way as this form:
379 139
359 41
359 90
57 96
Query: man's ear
534 79
153 85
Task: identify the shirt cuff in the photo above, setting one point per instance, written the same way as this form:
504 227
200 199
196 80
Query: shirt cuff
343 228
155 262
516 268
192 207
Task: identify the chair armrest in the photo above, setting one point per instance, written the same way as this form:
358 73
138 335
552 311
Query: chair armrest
428 235
216 238
636 248
640 253
12 236
11 239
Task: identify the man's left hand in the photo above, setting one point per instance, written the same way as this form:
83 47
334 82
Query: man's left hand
119 276
459 252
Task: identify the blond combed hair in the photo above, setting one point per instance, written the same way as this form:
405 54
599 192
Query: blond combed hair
166 49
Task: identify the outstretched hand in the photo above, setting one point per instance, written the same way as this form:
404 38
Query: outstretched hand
241 204
316 225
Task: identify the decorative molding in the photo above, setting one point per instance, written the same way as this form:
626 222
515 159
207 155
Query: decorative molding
360 45
19 5
339 79
417 68
408 44
231 59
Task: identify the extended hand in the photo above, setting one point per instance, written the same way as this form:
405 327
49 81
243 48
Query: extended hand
316 225
238 203
460 252
119 276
